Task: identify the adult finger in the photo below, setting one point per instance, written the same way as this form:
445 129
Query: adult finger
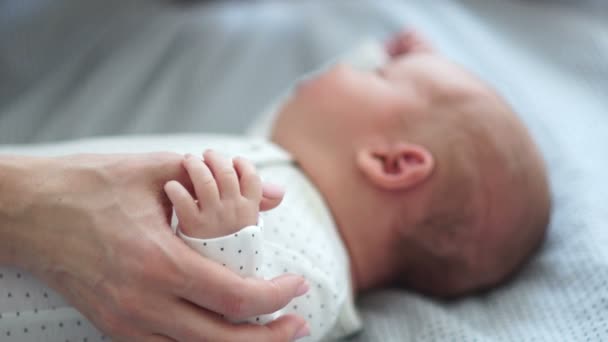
192 323
212 286
158 338
224 173
251 185
285 328
288 328
272 196
205 188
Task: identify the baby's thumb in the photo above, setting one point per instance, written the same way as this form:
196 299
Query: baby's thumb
272 195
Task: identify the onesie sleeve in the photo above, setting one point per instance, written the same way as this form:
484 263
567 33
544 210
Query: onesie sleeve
240 252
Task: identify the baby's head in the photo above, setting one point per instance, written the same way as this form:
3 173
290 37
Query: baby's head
433 181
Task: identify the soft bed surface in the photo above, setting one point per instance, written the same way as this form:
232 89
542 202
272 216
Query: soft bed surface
132 67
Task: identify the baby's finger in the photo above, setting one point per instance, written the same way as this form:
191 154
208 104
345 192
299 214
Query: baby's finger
205 188
182 201
272 195
251 184
224 173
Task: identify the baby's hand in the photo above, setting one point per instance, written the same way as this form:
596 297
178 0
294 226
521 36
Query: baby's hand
228 193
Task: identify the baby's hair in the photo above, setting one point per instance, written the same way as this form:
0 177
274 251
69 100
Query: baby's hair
431 268
458 248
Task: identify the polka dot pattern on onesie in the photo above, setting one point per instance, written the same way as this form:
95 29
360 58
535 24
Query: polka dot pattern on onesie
298 237
30 311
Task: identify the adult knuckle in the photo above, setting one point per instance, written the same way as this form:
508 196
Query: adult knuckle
146 274
120 336
126 335
233 303
109 322
115 326
114 304
268 334
250 336
233 306
186 283
160 265
122 333
229 337
279 335
273 295
127 305
190 333
132 307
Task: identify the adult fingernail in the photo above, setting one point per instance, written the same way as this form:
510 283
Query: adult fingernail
273 190
302 332
289 281
188 156
302 289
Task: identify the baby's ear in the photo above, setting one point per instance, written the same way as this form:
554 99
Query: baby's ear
398 167
408 41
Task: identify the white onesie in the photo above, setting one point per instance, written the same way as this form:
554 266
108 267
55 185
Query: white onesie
297 237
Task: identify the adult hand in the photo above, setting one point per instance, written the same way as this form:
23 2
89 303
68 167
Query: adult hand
96 229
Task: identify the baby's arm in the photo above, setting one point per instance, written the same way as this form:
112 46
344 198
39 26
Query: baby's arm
223 224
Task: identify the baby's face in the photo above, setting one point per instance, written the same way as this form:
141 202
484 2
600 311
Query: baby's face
345 103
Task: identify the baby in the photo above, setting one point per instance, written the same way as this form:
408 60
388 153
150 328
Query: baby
416 174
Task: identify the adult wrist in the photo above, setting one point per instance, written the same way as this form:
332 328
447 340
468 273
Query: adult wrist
16 177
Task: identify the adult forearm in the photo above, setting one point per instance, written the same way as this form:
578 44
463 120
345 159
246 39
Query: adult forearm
15 194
